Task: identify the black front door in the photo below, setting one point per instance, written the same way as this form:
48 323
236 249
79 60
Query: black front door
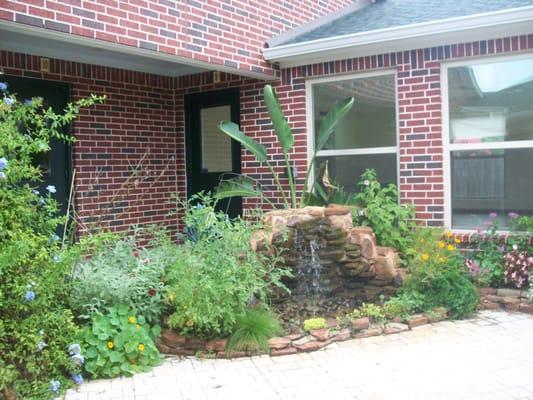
212 155
56 164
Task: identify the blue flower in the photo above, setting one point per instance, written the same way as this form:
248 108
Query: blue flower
78 359
41 345
2 175
55 385
77 378
3 163
9 101
3 86
29 296
74 348
51 188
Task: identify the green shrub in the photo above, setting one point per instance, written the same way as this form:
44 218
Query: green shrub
119 343
252 331
391 222
438 273
117 272
36 326
213 278
314 323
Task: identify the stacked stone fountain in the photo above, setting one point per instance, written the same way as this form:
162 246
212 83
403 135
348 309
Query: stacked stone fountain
335 265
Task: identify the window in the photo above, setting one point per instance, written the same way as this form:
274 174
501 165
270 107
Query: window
364 138
490 127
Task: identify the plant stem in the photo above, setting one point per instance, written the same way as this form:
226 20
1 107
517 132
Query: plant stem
278 183
292 184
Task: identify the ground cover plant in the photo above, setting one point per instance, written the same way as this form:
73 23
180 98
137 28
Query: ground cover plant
252 331
36 326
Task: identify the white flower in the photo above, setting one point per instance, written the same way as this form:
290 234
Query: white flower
51 188
515 247
366 182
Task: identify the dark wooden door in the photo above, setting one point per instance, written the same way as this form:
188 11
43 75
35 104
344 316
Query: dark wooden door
212 155
55 164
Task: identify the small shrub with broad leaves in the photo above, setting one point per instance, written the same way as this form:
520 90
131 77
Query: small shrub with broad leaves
119 342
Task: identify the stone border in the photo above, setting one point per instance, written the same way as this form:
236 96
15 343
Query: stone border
490 299
173 343
504 299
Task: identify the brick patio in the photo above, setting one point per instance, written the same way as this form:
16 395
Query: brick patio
488 357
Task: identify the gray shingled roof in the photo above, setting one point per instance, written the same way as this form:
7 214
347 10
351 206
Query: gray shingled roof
394 13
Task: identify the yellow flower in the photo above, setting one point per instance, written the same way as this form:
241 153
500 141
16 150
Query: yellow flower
425 256
189 323
110 345
457 240
422 240
449 234
442 260
132 320
451 247
140 347
441 244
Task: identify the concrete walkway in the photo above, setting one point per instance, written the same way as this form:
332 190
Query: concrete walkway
489 357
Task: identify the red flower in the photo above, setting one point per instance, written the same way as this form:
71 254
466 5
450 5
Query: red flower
135 254
151 292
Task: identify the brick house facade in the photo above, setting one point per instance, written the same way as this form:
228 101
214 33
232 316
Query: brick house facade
144 116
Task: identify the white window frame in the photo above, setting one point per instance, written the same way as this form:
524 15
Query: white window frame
448 147
310 106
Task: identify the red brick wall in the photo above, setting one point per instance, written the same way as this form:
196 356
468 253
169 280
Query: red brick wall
419 106
230 33
136 121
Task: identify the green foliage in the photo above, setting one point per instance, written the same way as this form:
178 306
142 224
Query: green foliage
252 331
117 272
36 326
439 274
215 274
119 343
391 222
489 254
403 305
373 311
314 323
283 131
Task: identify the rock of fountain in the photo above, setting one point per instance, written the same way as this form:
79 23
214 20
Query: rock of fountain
335 264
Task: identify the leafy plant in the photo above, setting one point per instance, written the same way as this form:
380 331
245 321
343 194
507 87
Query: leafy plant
213 279
119 343
248 187
314 323
252 331
403 305
118 271
391 222
438 274
36 326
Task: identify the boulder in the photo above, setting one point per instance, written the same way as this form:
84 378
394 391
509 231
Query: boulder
395 327
278 343
360 323
320 334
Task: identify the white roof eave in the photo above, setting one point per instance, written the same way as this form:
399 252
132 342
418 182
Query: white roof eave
512 22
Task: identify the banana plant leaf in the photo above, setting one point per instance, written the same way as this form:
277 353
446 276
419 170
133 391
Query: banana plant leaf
279 122
241 186
328 123
232 130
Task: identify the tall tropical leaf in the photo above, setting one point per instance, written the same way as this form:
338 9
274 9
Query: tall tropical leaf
279 122
328 123
232 130
241 186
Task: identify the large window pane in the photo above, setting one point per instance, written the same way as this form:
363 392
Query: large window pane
346 170
486 181
491 102
372 120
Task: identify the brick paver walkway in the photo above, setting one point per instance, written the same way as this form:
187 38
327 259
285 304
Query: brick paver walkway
489 357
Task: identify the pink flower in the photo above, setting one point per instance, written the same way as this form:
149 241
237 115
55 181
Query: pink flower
513 215
493 215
